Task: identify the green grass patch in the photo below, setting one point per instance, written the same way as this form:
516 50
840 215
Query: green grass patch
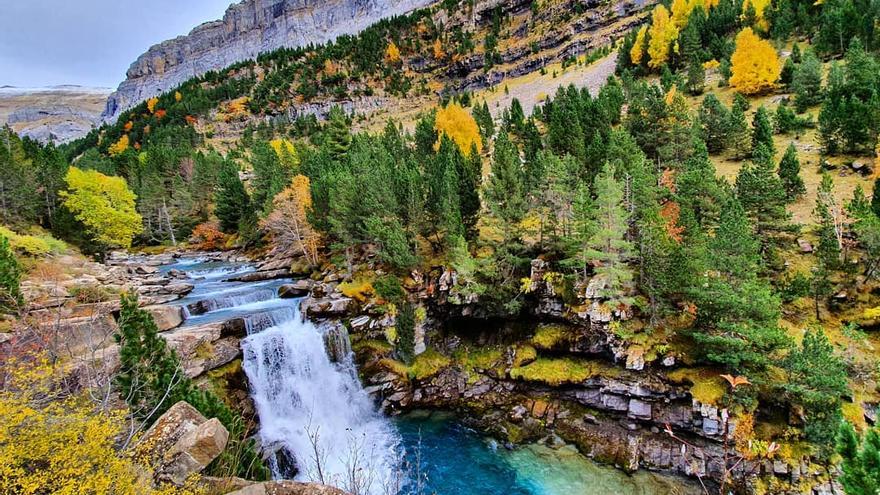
558 371
707 386
550 336
428 364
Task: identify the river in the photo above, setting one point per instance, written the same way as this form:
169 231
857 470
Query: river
315 415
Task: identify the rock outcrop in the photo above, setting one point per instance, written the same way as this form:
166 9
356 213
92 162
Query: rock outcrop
58 114
181 442
247 29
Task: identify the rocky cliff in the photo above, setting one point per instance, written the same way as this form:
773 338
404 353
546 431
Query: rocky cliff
57 114
246 30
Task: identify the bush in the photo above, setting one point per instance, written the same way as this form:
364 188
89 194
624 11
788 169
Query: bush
389 289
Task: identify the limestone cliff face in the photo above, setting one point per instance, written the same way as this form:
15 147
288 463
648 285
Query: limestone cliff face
248 29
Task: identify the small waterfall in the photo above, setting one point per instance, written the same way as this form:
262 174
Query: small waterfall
231 301
316 411
257 322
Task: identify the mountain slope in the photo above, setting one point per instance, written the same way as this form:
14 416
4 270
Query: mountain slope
247 29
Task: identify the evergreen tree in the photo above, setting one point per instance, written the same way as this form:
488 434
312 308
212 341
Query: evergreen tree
806 82
739 139
232 201
715 120
817 379
10 276
696 77
790 174
762 131
860 460
608 245
337 134
506 192
762 193
875 197
736 252
405 324
484 120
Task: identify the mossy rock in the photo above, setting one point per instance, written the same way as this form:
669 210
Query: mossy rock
551 336
428 364
707 386
559 371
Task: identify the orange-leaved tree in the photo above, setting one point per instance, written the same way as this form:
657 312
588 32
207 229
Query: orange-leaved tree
289 221
755 66
119 147
460 126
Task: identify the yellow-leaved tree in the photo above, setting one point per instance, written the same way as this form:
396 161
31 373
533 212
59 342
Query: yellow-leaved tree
289 221
53 442
459 125
755 65
681 10
286 153
637 52
663 34
392 53
151 104
759 7
119 147
437 49
104 205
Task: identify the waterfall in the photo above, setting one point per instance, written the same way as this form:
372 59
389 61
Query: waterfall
234 300
316 411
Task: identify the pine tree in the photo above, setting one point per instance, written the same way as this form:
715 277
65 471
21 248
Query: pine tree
10 276
739 139
860 460
816 380
790 174
506 192
736 252
761 193
696 76
829 218
405 326
762 131
231 200
715 120
338 135
608 245
806 82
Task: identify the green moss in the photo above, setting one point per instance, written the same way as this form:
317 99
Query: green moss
394 366
707 386
549 336
428 364
558 371
525 354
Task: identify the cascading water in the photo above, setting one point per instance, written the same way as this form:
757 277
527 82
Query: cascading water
316 410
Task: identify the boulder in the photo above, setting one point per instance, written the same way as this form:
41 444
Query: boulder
166 317
327 307
288 488
195 450
181 442
260 276
299 288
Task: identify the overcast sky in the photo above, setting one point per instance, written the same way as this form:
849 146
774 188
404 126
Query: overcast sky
89 42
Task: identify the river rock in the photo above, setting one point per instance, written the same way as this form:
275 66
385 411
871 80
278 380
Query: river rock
288 488
260 276
166 317
299 288
327 307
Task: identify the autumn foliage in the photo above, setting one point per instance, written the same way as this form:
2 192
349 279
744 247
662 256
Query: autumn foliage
637 52
54 442
460 126
754 64
105 206
119 147
289 222
663 33
392 53
208 237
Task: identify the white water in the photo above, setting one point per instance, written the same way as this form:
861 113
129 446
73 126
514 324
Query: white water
306 402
